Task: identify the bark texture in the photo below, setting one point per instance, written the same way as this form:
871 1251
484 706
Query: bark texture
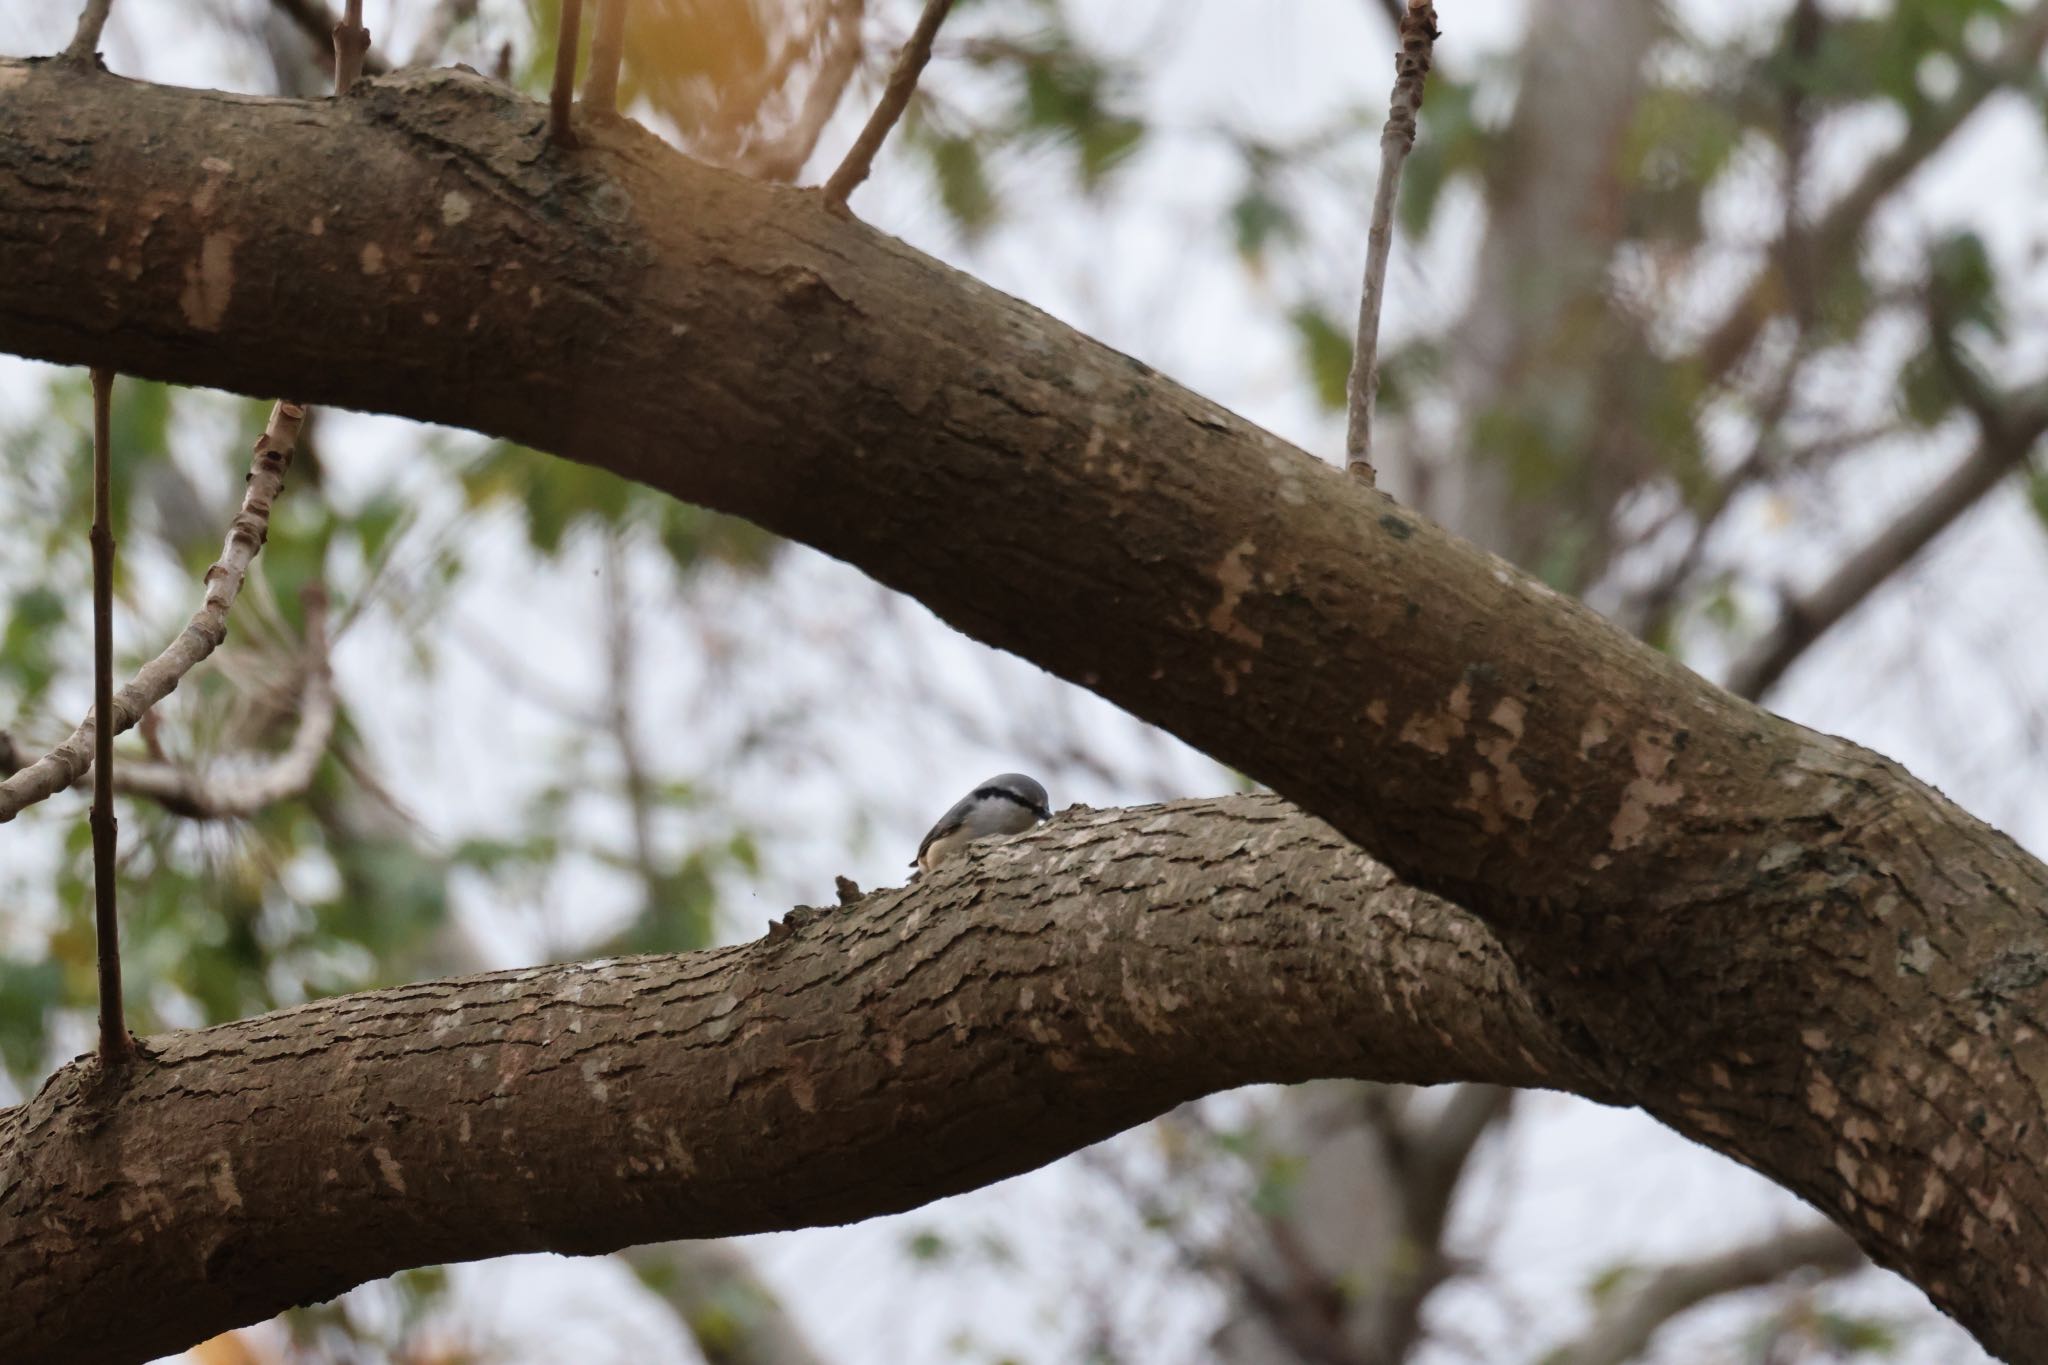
1777 942
1019 1004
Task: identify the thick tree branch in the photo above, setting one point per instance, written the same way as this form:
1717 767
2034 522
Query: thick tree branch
1042 995
1633 1313
158 678
1763 935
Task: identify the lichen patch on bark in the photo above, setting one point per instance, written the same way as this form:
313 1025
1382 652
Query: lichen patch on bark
1233 574
1433 731
1653 752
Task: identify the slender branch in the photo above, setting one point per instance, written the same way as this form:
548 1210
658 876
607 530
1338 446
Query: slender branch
184 792
66 763
1625 1324
563 90
351 45
1806 618
317 22
896 95
114 1045
85 41
1418 33
607 51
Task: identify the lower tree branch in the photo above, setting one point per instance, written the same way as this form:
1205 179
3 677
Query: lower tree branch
1034 998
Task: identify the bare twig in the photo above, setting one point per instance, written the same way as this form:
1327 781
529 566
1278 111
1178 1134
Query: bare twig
317 22
1411 72
1632 1315
66 763
896 95
85 41
607 50
559 96
114 1046
184 792
351 45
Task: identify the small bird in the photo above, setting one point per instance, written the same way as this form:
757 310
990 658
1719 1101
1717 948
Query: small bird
1008 803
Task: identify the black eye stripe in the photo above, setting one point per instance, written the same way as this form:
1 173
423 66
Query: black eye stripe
1002 794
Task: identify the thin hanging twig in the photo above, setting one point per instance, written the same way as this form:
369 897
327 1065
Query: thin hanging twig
607 50
895 98
114 1046
85 41
66 763
1411 71
351 45
559 131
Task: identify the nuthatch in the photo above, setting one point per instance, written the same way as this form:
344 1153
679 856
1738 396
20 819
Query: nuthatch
1008 803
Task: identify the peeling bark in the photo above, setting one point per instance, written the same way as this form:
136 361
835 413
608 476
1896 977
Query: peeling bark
1778 943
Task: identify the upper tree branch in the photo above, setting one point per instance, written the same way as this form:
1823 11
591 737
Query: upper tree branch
1039 996
1613 817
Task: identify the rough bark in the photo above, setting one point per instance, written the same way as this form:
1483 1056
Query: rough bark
1031 999
1777 942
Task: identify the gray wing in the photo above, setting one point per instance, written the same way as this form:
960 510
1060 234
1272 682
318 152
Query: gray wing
948 822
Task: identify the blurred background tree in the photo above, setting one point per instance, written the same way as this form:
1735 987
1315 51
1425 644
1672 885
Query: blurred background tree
1725 317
